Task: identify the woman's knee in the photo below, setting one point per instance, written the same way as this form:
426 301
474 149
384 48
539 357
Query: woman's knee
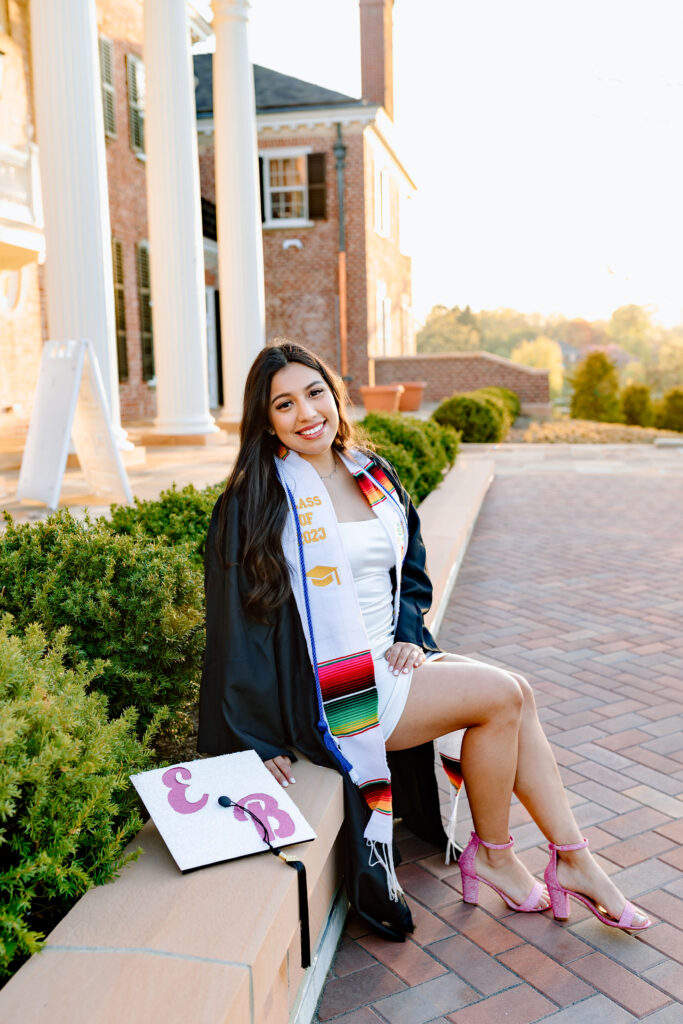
529 703
507 696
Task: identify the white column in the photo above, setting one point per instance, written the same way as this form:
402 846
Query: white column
240 245
73 165
174 223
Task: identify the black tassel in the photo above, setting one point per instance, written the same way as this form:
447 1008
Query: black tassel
303 907
226 801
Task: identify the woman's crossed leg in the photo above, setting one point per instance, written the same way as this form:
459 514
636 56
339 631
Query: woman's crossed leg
504 750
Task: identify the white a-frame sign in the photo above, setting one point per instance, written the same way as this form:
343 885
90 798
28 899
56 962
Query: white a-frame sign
70 403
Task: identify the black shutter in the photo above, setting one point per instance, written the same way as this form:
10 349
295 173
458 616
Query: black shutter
136 112
145 310
317 195
120 309
209 220
260 181
107 79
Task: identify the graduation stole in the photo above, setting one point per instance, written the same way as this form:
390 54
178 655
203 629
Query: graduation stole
325 595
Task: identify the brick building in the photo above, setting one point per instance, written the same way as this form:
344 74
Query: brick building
312 142
340 284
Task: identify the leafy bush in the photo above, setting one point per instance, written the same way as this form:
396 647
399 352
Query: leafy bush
134 601
477 417
596 390
67 808
636 407
419 450
669 412
175 516
510 398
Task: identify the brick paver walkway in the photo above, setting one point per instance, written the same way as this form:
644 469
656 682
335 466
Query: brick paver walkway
574 579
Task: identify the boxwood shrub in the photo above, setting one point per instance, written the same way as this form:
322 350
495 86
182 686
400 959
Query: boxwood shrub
669 411
478 417
132 600
636 405
510 398
67 808
419 450
175 516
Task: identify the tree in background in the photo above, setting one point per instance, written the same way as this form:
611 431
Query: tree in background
643 351
544 354
631 328
596 390
449 330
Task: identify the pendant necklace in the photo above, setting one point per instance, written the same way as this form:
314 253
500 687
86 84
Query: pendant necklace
330 475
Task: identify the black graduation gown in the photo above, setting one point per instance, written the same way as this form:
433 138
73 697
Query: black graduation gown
258 692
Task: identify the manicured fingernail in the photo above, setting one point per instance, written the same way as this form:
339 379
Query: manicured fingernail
292 780
406 670
284 782
396 672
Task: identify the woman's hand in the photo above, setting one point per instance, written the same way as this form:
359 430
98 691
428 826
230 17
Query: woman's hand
281 769
403 656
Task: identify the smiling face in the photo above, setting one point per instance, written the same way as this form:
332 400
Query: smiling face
303 412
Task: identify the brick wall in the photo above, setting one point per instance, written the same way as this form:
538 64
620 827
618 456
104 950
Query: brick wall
301 284
385 261
464 371
122 22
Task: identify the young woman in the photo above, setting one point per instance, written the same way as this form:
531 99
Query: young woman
316 590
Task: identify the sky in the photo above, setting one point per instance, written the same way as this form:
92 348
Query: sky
546 140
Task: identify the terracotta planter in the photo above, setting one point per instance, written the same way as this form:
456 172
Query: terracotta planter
411 399
381 397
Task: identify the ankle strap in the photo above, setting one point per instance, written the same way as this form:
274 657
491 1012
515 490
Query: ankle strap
494 846
569 846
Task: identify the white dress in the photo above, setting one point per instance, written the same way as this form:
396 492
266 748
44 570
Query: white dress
371 558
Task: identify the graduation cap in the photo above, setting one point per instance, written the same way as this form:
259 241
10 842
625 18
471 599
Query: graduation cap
323 575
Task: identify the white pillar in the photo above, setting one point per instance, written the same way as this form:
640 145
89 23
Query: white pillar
73 164
176 251
240 244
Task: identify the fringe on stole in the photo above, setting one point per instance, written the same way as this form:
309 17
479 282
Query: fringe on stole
382 853
379 837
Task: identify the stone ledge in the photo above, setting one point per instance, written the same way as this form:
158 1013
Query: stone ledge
221 945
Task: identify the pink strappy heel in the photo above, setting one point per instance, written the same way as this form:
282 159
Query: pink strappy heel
559 896
471 880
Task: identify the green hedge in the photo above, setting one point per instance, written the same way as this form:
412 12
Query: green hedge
479 417
67 808
134 601
175 516
669 411
419 450
510 398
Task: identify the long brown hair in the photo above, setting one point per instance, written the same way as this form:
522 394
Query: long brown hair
254 481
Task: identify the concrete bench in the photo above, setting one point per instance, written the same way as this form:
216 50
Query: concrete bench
221 945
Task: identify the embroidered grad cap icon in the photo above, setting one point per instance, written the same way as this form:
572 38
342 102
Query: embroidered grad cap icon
323 575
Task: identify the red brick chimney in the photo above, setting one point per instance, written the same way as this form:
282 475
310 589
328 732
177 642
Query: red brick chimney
376 52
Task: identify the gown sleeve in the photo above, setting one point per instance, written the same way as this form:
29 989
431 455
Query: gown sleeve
239 700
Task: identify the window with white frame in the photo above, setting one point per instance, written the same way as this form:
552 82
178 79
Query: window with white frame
285 187
382 201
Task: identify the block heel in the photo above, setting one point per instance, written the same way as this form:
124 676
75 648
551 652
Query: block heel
559 896
470 879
